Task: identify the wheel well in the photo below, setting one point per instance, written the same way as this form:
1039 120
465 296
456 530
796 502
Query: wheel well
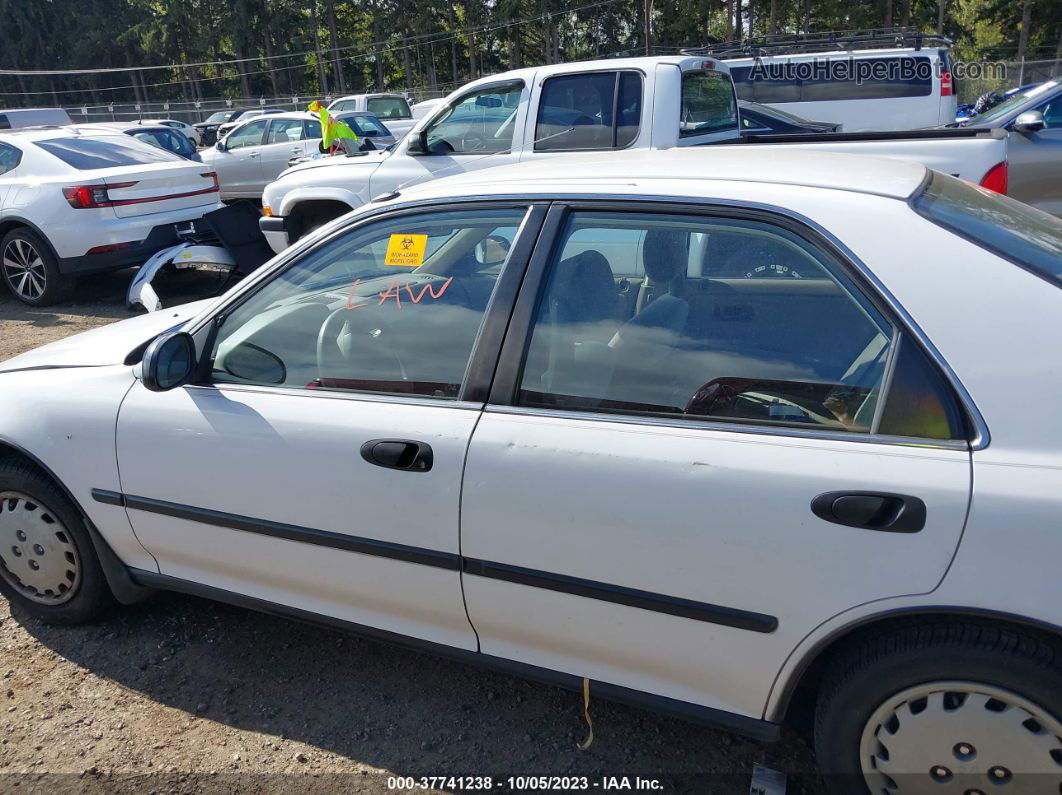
797 700
308 215
7 226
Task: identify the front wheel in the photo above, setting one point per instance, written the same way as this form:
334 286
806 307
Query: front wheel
943 707
48 565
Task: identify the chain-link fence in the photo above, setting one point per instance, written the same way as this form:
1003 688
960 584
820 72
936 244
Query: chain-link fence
984 76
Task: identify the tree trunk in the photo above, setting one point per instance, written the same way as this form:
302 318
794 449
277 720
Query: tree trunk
737 19
888 14
940 17
905 19
452 18
1058 54
1023 37
407 63
772 25
729 19
469 15
335 55
647 21
269 59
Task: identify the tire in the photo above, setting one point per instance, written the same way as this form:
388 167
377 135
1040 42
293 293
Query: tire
48 564
947 701
30 269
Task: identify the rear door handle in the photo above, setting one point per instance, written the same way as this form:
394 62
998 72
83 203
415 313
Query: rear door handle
401 454
871 510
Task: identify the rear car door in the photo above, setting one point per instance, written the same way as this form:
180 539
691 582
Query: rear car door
667 494
317 461
283 141
238 167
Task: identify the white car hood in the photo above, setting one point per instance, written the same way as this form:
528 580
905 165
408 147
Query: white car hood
367 159
104 345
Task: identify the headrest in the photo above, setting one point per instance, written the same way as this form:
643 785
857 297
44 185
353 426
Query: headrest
664 254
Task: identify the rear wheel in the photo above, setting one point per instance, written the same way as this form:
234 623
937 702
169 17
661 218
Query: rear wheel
31 270
940 708
48 565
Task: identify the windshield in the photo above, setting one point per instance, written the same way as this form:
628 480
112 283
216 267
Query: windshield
1017 232
388 108
217 118
708 103
1004 108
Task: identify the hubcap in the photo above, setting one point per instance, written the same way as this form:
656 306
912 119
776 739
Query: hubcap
24 269
37 555
961 737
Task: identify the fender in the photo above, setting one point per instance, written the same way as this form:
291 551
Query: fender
125 589
320 193
20 221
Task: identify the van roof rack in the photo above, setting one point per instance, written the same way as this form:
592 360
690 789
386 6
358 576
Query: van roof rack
826 41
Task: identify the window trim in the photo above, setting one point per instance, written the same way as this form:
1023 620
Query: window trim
506 384
486 347
501 84
615 108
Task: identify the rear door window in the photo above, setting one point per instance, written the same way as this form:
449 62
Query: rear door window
249 134
10 157
599 110
1028 237
88 154
837 80
283 131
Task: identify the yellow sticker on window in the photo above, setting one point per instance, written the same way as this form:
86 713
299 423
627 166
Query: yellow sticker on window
406 250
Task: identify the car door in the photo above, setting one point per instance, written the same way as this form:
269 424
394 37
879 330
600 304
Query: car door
668 495
238 167
283 141
317 462
474 131
1034 160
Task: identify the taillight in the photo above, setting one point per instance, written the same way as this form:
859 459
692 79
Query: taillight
88 197
945 83
996 178
214 176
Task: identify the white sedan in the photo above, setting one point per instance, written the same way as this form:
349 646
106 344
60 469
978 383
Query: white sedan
190 132
703 430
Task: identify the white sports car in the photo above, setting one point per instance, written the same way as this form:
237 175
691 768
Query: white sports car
703 430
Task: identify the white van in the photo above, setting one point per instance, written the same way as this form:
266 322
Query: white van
852 82
17 118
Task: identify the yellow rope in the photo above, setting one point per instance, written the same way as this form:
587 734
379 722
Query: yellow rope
585 744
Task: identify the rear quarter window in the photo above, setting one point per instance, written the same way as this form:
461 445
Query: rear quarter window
1028 237
88 154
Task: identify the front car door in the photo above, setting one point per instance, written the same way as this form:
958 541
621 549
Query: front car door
474 131
238 168
668 493
1035 161
317 461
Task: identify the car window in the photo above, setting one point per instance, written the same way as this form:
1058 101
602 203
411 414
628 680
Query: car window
166 139
10 157
1015 101
391 308
708 103
249 134
1052 112
803 350
283 131
596 110
480 122
878 78
87 154
311 129
1015 231
388 108
366 125
218 118
343 104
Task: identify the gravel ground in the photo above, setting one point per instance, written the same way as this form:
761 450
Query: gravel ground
184 695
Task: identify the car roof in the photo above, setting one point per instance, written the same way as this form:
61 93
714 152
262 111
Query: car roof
49 132
284 114
686 171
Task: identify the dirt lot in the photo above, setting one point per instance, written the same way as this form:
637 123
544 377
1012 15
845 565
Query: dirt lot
183 695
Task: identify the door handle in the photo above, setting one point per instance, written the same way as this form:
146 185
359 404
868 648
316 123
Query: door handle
871 510
398 454
253 154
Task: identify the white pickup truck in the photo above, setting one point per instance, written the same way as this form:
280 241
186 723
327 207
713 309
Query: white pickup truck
392 109
568 110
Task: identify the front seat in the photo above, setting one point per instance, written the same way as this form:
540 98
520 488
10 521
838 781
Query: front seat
644 343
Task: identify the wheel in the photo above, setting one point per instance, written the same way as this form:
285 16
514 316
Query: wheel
30 269
943 707
48 565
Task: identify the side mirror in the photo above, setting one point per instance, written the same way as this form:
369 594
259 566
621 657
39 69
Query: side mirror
169 361
220 145
418 144
1030 121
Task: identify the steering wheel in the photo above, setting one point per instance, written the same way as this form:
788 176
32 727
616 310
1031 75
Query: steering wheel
355 344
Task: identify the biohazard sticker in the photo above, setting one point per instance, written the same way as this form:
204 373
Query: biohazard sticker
406 250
